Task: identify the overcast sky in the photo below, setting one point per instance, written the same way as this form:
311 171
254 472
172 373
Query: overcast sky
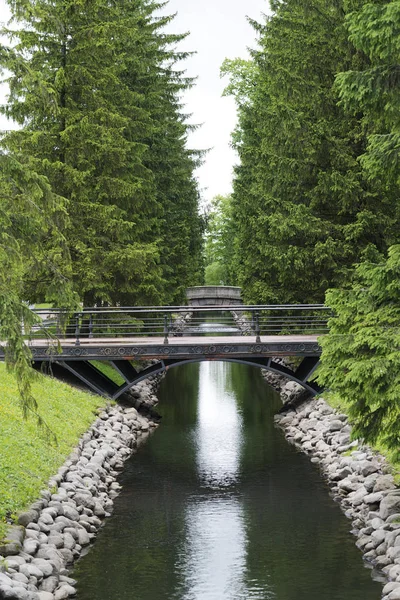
218 29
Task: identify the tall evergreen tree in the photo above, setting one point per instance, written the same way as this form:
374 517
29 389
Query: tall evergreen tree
30 215
372 90
360 358
77 73
304 209
159 83
180 225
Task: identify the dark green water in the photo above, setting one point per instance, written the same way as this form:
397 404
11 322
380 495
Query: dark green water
217 506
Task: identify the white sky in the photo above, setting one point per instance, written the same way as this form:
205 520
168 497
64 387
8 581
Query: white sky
218 30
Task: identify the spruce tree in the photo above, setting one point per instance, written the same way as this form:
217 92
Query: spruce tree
360 358
171 162
89 121
304 209
372 90
30 215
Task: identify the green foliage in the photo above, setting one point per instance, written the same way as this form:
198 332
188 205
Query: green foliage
98 201
97 97
303 207
360 358
215 274
219 243
27 460
373 90
30 214
109 371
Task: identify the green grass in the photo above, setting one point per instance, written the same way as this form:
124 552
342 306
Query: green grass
43 305
27 457
109 371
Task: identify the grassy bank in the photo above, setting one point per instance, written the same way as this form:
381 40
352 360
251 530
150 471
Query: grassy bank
27 457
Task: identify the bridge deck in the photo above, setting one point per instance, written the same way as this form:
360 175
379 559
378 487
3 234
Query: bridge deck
185 346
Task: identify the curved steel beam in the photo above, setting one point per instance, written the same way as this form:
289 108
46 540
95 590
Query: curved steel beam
300 376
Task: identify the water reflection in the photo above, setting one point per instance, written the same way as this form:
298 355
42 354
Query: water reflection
213 558
217 506
218 434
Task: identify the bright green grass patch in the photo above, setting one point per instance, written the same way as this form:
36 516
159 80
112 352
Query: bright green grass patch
109 371
43 305
27 457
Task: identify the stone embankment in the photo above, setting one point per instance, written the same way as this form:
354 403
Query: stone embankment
53 533
180 323
359 479
242 321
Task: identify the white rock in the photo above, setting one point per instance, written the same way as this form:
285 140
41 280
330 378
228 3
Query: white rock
31 571
377 523
358 496
83 537
390 586
30 546
45 596
5 580
20 577
61 593
70 512
43 565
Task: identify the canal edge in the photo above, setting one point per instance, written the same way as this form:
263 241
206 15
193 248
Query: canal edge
57 529
358 477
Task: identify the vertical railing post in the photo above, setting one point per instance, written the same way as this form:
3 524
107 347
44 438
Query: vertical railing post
166 329
90 325
58 323
257 327
77 328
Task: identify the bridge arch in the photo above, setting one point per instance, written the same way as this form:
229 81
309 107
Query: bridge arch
301 375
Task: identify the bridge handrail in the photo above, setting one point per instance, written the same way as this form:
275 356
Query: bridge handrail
186 309
162 321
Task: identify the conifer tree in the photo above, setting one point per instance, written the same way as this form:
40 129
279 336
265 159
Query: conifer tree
372 90
77 73
304 209
172 164
30 215
360 358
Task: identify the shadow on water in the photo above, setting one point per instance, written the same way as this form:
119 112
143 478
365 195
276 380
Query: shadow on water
217 506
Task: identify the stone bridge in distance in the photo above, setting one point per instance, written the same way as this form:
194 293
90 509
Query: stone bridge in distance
214 295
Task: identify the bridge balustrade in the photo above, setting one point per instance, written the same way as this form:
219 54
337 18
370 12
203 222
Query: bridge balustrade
99 323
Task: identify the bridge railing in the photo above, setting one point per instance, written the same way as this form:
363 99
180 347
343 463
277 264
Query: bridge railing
100 323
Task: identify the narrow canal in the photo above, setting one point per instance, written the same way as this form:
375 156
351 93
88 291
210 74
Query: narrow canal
217 506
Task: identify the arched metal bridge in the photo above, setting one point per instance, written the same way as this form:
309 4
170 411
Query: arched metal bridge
141 341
